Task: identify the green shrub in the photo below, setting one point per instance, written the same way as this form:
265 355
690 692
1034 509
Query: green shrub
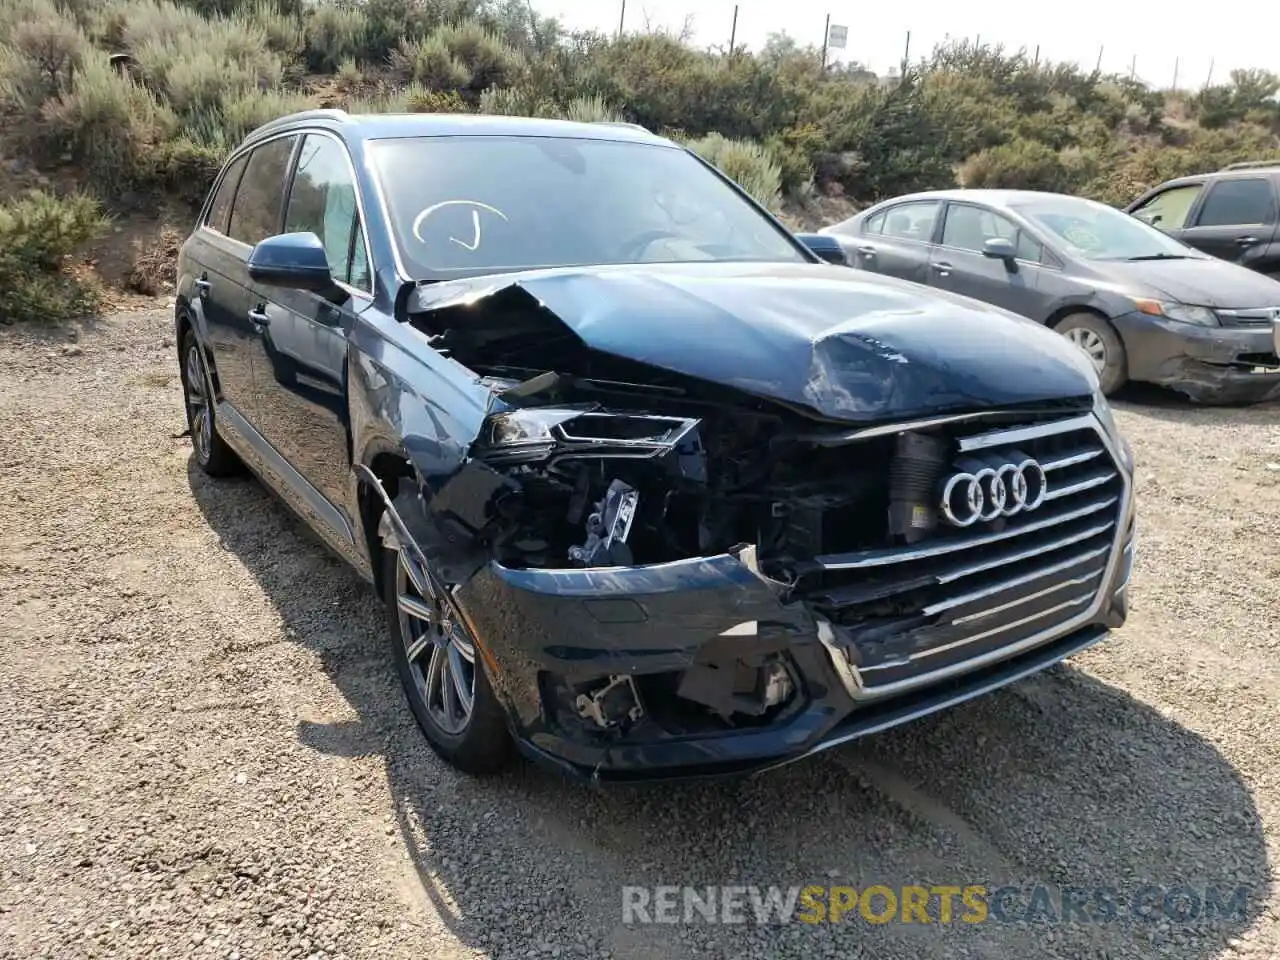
591 110
106 124
431 63
253 108
1017 165
37 233
349 77
334 34
487 59
517 102
748 164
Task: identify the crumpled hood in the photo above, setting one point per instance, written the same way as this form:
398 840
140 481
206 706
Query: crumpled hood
1205 282
848 345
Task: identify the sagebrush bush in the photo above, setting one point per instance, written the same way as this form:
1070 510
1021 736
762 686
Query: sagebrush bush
334 34
431 63
37 233
748 164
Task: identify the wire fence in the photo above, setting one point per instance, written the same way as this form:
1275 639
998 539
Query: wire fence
840 44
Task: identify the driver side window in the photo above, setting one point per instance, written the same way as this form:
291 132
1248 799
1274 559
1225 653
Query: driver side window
322 201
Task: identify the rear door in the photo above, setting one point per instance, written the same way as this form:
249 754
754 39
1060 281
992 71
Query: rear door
1235 219
896 240
300 369
958 264
217 261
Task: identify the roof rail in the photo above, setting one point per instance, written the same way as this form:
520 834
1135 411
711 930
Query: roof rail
622 123
327 113
1250 164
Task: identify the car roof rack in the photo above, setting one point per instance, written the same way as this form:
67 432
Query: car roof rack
1250 164
324 113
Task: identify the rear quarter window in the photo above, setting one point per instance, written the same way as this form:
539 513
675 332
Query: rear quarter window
220 209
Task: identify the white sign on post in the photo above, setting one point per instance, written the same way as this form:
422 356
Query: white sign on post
837 37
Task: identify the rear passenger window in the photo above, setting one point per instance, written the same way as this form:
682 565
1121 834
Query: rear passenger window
220 209
1243 202
874 224
255 215
912 221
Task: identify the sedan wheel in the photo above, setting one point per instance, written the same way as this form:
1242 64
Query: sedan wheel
1097 339
441 657
1091 344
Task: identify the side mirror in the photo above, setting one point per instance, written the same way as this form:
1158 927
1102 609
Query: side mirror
825 246
998 248
295 260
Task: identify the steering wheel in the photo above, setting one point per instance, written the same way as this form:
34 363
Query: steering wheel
632 248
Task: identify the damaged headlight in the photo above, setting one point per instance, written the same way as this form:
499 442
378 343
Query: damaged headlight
540 433
1182 312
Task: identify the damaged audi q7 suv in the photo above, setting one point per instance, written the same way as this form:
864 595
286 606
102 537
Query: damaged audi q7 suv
649 489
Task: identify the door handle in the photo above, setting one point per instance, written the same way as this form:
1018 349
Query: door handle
259 319
867 251
941 269
1246 241
203 285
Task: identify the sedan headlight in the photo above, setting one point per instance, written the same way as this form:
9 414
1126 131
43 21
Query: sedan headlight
559 432
1182 312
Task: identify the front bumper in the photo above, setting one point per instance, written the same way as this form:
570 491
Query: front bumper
542 626
1208 364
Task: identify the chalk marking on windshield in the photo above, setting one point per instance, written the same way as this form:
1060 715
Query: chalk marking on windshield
474 243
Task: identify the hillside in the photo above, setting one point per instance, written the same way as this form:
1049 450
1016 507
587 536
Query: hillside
135 102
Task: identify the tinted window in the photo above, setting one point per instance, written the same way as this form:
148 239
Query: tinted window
1168 210
220 209
322 200
256 212
1094 231
970 227
912 221
472 205
1238 202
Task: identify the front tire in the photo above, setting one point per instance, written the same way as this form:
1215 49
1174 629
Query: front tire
443 675
212 454
1098 340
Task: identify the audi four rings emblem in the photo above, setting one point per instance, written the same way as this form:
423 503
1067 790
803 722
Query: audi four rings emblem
985 489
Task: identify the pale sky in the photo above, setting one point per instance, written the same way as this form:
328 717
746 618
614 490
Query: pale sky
1242 35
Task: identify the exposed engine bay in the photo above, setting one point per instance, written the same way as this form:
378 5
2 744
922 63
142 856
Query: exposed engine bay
593 461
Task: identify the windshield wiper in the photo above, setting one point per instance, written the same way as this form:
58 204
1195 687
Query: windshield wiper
1160 256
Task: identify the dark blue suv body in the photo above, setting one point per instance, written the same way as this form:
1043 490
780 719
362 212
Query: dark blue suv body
648 488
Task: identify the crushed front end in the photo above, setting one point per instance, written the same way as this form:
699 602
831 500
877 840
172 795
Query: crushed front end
716 588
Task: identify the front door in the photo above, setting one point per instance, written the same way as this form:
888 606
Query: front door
300 369
958 264
1236 220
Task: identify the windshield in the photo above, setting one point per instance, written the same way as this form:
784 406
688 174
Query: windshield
471 205
1095 231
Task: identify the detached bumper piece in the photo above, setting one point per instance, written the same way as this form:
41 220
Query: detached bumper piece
708 667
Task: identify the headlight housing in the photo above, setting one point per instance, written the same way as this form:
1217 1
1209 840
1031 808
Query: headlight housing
1181 312
531 435
1102 410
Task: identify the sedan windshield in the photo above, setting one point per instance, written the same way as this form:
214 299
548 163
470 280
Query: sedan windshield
463 206
1095 231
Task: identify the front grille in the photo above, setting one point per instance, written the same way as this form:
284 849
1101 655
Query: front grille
1256 317
970 596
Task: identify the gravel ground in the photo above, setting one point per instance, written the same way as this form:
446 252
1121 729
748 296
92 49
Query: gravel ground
204 751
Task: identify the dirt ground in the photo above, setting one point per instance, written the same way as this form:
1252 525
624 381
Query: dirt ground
204 751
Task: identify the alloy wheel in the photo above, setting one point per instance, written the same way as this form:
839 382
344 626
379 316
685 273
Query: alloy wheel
1092 345
199 412
441 655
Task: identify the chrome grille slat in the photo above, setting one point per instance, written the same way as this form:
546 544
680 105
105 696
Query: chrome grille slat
960 601
1003 628
905 614
1081 485
876 558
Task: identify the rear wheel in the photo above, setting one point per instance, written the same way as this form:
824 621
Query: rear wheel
1098 340
443 675
212 453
